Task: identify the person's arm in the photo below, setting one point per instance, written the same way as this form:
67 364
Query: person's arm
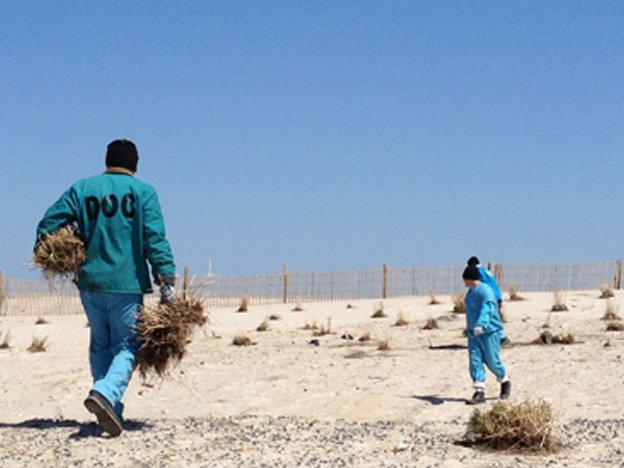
59 215
157 249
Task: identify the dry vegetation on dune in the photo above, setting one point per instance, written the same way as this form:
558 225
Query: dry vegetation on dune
38 345
41 321
378 311
244 304
432 299
547 338
513 294
5 341
431 324
366 336
615 325
559 304
60 253
459 307
606 291
383 345
165 331
242 340
610 311
524 426
264 326
402 319
324 329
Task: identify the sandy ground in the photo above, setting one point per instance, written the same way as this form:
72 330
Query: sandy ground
284 402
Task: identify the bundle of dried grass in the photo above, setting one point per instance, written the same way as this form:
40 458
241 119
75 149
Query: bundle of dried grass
366 336
60 253
164 332
524 426
378 311
383 345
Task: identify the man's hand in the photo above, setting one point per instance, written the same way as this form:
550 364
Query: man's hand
477 331
167 294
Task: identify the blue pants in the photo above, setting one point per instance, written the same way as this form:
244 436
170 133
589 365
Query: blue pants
113 346
485 349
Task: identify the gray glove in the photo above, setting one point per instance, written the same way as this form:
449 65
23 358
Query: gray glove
168 294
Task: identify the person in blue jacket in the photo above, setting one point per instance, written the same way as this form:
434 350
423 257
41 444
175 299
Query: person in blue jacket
488 278
120 221
483 330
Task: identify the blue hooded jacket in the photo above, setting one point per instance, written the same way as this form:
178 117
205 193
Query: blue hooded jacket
121 224
488 278
482 310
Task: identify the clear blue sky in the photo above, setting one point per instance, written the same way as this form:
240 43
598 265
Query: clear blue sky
329 135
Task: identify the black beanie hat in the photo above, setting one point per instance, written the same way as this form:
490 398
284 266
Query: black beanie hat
122 153
473 261
471 272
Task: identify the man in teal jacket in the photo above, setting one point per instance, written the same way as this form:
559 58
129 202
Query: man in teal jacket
483 329
120 221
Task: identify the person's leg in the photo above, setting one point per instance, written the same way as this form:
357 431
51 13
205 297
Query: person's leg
477 372
491 354
100 356
123 309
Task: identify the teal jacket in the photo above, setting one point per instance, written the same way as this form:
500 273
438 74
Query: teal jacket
121 224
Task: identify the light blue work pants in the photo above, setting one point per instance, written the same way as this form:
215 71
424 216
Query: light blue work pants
485 349
113 346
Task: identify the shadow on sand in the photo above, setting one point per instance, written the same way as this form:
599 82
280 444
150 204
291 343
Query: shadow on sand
436 400
84 430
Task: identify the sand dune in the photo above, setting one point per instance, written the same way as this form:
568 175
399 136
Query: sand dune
284 402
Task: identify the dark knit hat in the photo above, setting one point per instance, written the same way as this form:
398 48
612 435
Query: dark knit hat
122 153
471 272
473 261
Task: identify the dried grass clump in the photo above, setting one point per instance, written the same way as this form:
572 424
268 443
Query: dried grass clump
311 326
606 291
402 319
615 326
324 329
459 307
610 311
38 345
244 304
366 336
513 294
60 253
264 326
5 341
41 321
431 324
524 426
379 311
383 345
274 317
559 304
547 338
298 307
432 299
242 340
350 306
164 332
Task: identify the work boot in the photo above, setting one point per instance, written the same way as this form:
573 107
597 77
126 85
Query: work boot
505 390
477 398
108 420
